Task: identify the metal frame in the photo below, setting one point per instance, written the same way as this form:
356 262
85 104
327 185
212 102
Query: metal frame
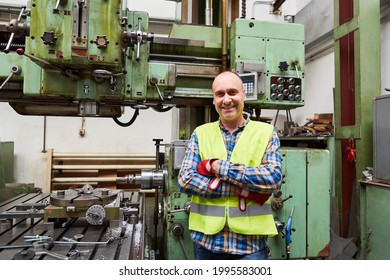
357 82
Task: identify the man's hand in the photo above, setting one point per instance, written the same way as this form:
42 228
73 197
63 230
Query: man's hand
259 198
214 183
205 168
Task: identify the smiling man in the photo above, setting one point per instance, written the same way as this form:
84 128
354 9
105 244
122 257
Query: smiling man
230 169
229 97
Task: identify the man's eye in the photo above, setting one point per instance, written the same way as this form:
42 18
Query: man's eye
232 91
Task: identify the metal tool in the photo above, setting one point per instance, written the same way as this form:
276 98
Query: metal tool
288 233
38 249
76 253
81 243
17 246
51 254
32 238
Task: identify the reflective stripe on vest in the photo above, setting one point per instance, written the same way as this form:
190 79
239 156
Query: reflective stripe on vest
219 211
210 215
208 210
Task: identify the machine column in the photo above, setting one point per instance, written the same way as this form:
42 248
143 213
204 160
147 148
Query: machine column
357 82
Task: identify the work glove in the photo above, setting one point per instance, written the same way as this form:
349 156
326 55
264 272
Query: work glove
204 168
245 195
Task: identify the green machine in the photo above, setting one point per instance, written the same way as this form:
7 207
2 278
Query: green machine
91 58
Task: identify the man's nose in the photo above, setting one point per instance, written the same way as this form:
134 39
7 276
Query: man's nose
226 98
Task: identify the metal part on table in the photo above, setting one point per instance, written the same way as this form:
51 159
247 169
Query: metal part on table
95 214
93 204
37 238
112 240
81 243
83 198
39 248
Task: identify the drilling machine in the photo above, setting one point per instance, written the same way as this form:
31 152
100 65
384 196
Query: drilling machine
91 58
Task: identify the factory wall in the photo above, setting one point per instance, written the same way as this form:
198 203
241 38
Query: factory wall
32 137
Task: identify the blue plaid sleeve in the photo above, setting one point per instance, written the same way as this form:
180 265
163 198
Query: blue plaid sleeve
189 180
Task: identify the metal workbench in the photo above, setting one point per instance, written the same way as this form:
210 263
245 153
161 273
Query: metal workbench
68 237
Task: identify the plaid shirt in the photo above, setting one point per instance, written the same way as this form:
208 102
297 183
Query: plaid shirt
265 178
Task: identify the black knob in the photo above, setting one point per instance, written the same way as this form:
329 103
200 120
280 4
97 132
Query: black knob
177 230
101 42
49 38
283 66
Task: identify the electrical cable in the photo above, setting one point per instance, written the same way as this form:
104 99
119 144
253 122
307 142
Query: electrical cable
130 122
161 109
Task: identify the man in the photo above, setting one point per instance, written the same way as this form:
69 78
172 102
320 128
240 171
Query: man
230 169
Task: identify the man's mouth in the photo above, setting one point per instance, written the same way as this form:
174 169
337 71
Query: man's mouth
228 108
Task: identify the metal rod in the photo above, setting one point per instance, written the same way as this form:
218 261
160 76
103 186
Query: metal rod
44 136
21 13
156 196
94 156
11 38
209 13
84 179
81 243
185 57
224 34
6 81
278 4
102 167
19 246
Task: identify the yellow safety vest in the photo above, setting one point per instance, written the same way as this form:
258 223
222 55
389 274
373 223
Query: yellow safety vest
211 215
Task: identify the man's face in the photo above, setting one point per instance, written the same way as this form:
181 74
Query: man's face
229 96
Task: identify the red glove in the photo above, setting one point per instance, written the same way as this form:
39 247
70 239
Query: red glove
258 198
214 183
205 169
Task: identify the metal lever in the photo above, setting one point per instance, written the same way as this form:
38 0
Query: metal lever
277 201
187 208
154 81
295 64
39 248
11 38
51 254
59 2
141 38
15 70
